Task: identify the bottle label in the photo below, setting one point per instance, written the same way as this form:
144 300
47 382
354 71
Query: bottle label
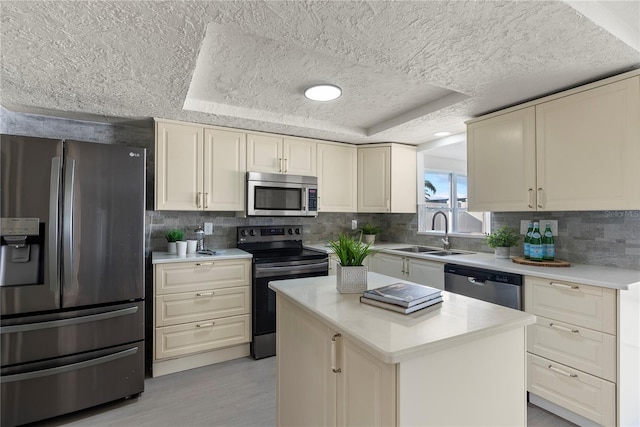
536 252
549 251
526 250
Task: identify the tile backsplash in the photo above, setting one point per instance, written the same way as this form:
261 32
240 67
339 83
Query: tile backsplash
608 238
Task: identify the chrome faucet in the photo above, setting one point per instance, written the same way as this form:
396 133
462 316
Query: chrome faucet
445 241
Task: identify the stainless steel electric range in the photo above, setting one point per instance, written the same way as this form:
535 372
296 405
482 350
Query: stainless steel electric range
278 254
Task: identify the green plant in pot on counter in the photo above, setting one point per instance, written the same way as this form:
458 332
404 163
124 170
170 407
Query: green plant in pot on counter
369 233
351 275
502 239
172 237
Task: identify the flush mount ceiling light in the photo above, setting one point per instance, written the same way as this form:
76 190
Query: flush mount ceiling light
442 134
323 92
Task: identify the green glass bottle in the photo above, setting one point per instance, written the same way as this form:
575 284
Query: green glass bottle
549 248
527 240
536 250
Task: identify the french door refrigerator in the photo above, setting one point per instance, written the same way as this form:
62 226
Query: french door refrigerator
71 276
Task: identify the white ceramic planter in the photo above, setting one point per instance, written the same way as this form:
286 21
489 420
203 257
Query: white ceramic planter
351 280
172 247
502 252
369 239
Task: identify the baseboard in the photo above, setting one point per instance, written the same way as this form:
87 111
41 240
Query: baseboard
561 412
164 367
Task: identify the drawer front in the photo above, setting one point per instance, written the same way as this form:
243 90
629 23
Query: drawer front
584 394
197 276
581 348
175 309
180 340
587 306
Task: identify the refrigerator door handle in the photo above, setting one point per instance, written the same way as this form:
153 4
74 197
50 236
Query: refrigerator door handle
68 322
54 214
67 226
72 367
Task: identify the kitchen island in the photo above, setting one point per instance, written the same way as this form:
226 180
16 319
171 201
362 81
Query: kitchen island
341 362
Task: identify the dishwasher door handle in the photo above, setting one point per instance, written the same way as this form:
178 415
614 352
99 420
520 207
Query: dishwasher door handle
476 281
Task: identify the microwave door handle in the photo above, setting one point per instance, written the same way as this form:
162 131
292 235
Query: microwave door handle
305 190
67 226
54 214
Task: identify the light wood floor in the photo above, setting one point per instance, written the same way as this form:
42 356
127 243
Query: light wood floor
239 393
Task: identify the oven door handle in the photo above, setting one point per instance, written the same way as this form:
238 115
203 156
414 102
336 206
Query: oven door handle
291 270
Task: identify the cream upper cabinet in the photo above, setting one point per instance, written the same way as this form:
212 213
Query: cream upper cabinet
588 149
224 170
274 154
501 162
577 150
337 177
387 178
179 166
199 168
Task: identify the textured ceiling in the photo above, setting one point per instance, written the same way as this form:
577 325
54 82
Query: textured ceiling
407 69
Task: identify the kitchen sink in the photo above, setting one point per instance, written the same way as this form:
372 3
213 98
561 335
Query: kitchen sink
417 249
447 253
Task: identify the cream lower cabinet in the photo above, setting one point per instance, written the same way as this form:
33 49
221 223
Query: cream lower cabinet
325 380
387 178
425 272
579 356
202 313
337 178
537 157
199 168
275 154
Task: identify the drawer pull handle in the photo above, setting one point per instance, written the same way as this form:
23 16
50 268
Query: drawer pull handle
563 286
333 354
205 325
205 294
203 264
562 328
561 372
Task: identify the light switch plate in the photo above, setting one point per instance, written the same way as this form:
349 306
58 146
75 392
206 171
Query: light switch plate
208 228
524 224
354 224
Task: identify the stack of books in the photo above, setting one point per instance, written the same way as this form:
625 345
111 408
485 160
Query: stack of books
403 297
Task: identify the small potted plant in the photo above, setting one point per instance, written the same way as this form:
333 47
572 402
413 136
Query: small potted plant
172 237
369 233
351 275
502 240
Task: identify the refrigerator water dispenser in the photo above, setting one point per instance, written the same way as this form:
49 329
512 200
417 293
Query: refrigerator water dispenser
20 260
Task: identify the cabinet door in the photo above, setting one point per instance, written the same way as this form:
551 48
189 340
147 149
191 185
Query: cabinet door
224 170
389 265
366 389
337 178
588 146
403 179
299 157
501 162
374 179
430 273
264 154
179 172
306 387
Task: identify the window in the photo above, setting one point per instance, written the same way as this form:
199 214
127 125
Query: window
444 183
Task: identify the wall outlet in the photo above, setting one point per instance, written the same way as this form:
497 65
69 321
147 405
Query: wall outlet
524 224
208 228
354 224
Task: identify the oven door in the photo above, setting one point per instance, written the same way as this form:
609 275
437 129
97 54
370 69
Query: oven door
264 299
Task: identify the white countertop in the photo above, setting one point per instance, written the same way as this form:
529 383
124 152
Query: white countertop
606 277
394 337
232 253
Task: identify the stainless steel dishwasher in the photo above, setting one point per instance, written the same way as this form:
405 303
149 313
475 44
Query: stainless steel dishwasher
492 286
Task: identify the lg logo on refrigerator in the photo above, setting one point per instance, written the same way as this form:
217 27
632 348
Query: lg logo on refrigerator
132 154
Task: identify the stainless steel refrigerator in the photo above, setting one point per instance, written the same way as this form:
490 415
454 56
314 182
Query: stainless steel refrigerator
71 276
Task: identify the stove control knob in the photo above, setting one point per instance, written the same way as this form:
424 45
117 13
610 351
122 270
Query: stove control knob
290 231
297 231
252 232
243 233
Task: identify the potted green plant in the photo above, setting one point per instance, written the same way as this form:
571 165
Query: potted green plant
502 240
172 237
351 275
369 233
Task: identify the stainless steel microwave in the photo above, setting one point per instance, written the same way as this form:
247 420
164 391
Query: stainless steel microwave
272 194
